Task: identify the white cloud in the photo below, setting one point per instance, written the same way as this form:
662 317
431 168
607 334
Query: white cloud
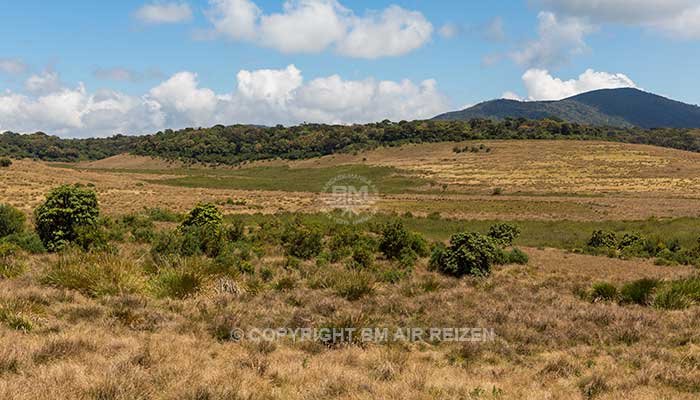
47 82
262 97
511 96
393 32
676 17
541 85
12 66
164 13
312 26
559 39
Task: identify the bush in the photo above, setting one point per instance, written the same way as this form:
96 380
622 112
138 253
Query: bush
671 298
517 256
396 241
302 241
603 239
66 208
235 231
5 162
504 234
27 241
141 227
189 241
638 292
363 256
91 237
469 253
603 291
163 215
203 214
11 220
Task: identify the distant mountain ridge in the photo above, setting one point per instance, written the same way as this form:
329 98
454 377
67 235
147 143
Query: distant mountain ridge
626 107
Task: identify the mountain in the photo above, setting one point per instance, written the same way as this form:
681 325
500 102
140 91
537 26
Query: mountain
626 107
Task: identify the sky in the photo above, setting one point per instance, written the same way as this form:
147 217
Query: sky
85 68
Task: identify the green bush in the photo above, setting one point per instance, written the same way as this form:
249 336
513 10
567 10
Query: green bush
504 234
189 241
27 241
11 220
396 241
162 215
141 227
671 298
66 208
92 238
302 241
638 292
363 256
517 256
603 239
469 253
203 214
5 162
603 291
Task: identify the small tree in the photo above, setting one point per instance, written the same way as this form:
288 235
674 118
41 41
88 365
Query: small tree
603 239
5 162
469 253
396 241
302 241
11 220
203 214
66 208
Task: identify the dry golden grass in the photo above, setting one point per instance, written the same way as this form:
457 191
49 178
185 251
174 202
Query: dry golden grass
550 344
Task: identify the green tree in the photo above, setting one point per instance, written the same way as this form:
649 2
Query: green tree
65 210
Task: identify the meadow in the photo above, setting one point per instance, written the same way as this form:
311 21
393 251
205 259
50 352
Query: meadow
596 298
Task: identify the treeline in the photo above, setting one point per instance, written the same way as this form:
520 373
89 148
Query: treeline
239 143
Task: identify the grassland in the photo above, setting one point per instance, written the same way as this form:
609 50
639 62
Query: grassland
111 326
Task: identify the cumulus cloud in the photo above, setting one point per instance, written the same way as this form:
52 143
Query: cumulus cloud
164 13
265 97
12 66
677 17
559 39
312 26
47 82
541 85
511 96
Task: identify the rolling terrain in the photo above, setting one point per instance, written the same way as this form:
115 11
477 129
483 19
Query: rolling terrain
625 107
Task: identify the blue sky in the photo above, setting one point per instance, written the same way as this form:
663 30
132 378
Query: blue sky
86 68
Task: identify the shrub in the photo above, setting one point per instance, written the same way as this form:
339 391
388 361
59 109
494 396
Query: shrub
631 240
5 162
95 275
27 241
203 214
603 239
469 253
11 220
395 238
638 292
65 209
163 215
141 227
354 285
603 291
235 231
517 256
504 234
302 241
671 298
363 256
91 237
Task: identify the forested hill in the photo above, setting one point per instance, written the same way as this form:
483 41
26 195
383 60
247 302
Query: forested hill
239 143
626 107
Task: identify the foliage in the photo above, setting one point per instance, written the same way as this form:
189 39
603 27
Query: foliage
603 291
162 215
11 261
238 143
177 283
517 256
92 237
469 253
504 234
302 240
603 239
66 208
354 285
5 162
203 214
235 231
11 220
27 241
638 292
396 242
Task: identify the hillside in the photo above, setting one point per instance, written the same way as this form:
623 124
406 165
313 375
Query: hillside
236 144
625 107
